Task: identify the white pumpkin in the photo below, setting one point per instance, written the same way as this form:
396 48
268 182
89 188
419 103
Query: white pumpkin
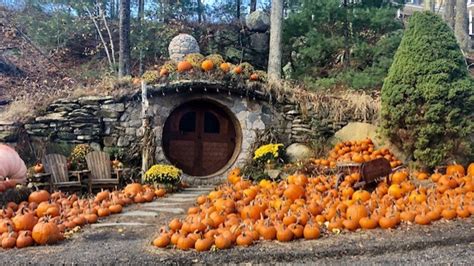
11 165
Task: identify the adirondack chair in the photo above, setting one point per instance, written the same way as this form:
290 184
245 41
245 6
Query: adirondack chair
56 165
101 174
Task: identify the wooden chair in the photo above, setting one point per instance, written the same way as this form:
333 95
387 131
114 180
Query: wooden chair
56 165
101 171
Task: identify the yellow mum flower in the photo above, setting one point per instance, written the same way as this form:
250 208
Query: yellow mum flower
269 149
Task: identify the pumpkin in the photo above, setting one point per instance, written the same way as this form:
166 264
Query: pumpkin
222 242
294 192
133 189
254 77
284 234
25 220
162 241
311 231
11 165
46 232
38 196
368 223
203 244
24 239
470 170
455 170
184 66
238 70
356 212
207 65
244 240
38 168
225 67
9 241
103 195
399 177
161 192
164 72
185 243
361 195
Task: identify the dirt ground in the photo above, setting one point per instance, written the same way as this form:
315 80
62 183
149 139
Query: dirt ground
443 242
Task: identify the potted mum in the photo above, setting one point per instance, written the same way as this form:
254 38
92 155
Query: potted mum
163 175
269 154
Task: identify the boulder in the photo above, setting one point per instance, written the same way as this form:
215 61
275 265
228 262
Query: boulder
298 152
260 41
258 21
182 45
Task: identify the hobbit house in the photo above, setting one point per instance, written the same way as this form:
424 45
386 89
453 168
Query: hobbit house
203 122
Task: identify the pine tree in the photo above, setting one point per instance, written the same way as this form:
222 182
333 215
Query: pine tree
428 95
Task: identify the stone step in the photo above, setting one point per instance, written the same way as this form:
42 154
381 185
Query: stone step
138 213
159 204
179 199
164 209
207 188
119 224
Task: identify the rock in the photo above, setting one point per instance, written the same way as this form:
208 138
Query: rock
59 116
298 152
116 107
182 45
260 41
92 100
258 21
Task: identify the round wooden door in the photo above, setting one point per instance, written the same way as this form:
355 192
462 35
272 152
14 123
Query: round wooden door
199 138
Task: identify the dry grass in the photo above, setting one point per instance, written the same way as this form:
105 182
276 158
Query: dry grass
29 105
338 106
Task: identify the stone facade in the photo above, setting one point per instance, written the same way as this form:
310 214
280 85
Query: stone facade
107 122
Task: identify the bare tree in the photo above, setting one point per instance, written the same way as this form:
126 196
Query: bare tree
449 12
124 41
141 16
253 5
461 25
274 60
110 58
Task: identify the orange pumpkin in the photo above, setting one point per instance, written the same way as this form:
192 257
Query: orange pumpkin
184 66
207 65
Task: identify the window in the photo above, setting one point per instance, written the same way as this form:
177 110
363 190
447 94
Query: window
188 122
211 123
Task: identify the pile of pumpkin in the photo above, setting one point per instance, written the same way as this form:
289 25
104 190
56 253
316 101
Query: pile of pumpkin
199 63
242 213
357 152
46 217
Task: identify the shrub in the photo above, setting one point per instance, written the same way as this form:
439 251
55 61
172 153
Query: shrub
428 96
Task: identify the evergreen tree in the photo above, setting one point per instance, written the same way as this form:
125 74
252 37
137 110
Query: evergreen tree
428 95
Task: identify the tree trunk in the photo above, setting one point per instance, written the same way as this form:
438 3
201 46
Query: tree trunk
449 12
199 10
141 16
430 5
239 3
112 9
253 6
461 25
274 60
124 52
347 53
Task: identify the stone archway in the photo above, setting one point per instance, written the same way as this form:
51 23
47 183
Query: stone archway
200 137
